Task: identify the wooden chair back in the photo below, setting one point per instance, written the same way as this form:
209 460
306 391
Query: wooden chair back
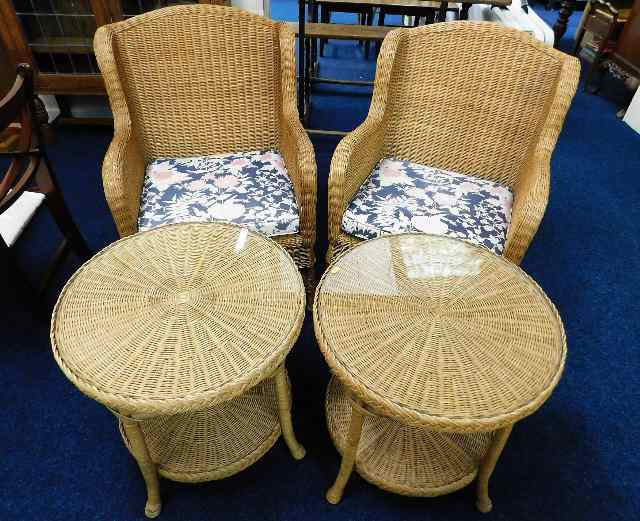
20 134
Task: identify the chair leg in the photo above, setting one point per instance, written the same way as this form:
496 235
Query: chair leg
314 41
18 282
325 18
368 18
60 212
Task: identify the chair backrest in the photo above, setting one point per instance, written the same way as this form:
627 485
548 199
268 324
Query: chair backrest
469 97
15 105
19 132
194 79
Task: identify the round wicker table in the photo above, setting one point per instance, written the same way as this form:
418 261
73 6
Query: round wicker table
182 331
437 348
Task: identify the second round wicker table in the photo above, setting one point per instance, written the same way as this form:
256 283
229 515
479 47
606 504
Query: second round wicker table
437 347
182 331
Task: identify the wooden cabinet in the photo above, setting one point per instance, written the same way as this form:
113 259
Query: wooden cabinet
56 37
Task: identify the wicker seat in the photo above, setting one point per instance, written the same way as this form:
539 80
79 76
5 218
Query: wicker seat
202 80
477 99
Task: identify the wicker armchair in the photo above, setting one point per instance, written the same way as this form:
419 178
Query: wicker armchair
474 98
202 80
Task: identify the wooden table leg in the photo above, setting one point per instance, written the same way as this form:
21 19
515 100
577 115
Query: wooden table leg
560 27
284 409
442 11
147 466
488 465
334 494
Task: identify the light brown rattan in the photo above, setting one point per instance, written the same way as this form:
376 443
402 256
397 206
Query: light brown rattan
413 461
201 79
492 108
215 442
438 333
178 318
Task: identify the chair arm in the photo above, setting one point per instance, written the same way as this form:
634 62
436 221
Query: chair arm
529 204
532 188
299 158
124 163
295 145
353 161
122 177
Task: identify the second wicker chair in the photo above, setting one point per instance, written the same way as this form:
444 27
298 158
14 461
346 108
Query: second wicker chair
206 126
458 139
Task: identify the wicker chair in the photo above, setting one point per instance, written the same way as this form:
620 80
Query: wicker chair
202 80
473 98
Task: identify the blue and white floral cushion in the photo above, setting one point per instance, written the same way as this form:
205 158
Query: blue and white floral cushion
246 188
401 196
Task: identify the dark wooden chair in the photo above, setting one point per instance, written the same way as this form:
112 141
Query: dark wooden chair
29 181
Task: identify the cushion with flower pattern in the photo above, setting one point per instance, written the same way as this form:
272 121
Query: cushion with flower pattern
401 196
247 188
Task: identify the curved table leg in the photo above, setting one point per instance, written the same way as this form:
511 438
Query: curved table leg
560 27
147 466
488 465
334 494
284 409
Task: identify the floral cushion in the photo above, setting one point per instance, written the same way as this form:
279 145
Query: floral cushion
246 188
401 196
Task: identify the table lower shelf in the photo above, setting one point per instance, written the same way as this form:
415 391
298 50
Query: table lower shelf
215 442
407 460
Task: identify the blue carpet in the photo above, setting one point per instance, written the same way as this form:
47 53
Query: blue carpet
576 459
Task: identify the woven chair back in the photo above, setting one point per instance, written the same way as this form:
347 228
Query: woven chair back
199 79
469 97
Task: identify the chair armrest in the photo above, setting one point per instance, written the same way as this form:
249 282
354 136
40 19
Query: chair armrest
529 204
123 168
295 145
353 161
531 192
122 178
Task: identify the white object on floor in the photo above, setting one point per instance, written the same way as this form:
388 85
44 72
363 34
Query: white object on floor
15 219
51 105
516 17
632 116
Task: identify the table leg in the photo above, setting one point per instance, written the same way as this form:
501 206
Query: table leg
488 465
442 11
560 27
147 466
334 494
284 409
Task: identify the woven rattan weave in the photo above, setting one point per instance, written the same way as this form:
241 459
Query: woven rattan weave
441 346
492 109
179 331
196 80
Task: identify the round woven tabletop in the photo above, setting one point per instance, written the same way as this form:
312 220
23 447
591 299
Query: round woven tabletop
178 318
438 333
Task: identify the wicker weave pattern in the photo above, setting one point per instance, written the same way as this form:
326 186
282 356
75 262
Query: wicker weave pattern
412 461
493 109
438 333
182 317
216 442
201 79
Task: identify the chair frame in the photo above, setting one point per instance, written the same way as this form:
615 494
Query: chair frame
123 168
30 169
359 152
